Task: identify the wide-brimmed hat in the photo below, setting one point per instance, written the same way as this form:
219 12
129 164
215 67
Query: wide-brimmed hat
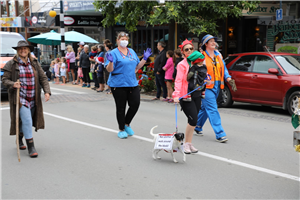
205 39
23 43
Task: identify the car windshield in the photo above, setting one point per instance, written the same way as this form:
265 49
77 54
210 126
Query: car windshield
7 42
291 64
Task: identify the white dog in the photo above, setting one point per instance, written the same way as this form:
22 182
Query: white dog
177 145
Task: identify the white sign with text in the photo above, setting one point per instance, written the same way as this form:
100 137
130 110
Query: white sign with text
164 141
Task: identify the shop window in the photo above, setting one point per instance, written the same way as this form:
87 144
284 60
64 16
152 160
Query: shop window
263 64
243 64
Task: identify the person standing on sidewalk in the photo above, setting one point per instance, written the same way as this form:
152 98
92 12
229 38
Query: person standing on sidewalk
159 63
108 47
71 57
216 68
123 64
32 78
84 64
100 54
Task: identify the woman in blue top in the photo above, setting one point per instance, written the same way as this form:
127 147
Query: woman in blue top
123 63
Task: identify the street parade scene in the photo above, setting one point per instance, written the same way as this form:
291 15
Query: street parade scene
150 99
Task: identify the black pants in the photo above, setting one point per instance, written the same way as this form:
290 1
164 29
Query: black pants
191 109
122 95
160 83
95 79
86 76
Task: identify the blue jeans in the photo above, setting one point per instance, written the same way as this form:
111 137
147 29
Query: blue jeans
26 121
160 83
209 109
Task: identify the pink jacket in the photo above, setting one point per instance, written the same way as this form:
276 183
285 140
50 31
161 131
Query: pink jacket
169 68
181 83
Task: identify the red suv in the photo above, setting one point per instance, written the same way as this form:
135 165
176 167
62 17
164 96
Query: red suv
271 79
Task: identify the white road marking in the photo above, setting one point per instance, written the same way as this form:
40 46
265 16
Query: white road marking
249 166
261 169
55 93
64 90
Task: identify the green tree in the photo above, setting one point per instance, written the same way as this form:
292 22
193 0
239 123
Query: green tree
195 16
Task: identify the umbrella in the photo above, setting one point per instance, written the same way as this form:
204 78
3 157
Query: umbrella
43 38
73 36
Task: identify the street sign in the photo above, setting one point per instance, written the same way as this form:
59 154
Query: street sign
279 14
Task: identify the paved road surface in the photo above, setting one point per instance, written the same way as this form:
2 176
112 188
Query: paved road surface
80 156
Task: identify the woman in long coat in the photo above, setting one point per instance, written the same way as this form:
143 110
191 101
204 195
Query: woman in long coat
32 77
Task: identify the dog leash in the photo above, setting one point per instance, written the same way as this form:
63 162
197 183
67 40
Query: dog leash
207 78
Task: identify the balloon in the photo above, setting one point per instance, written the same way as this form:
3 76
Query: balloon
52 13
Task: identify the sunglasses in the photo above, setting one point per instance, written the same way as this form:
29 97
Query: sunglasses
187 49
124 34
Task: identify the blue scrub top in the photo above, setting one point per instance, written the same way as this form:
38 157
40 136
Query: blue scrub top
123 74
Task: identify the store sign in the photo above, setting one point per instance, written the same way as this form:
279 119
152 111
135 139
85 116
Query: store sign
271 21
76 20
40 19
78 5
11 22
69 20
264 9
288 48
290 31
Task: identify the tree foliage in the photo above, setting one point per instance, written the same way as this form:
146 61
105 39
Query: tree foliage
195 16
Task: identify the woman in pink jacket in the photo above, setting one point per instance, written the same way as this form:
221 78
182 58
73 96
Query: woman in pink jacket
189 104
169 68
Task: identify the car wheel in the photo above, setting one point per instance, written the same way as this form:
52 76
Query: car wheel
293 102
227 98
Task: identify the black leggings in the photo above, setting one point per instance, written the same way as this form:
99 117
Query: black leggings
191 109
122 95
86 76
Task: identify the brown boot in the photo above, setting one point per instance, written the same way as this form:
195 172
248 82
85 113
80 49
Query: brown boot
21 144
31 150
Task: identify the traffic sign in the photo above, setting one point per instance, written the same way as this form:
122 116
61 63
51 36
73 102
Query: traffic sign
279 14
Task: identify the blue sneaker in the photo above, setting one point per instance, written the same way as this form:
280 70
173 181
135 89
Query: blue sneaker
129 131
83 85
88 85
122 135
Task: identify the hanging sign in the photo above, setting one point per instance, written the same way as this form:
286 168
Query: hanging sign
164 141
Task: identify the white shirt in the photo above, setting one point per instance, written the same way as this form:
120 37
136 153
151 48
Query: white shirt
61 67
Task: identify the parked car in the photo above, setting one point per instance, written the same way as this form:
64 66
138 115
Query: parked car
8 40
271 79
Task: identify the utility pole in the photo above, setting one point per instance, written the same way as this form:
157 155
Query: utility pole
62 29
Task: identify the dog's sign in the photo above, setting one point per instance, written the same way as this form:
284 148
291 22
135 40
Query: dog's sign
164 141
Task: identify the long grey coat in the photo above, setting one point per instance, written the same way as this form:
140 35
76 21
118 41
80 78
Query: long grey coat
11 74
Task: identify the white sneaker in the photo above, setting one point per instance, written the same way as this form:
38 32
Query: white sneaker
187 149
192 148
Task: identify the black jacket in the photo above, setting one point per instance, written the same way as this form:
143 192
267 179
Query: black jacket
160 62
178 60
84 60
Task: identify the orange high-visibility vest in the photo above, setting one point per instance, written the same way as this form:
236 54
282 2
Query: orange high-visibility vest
211 70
